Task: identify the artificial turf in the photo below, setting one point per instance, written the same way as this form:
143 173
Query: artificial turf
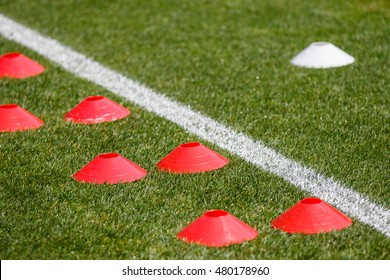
229 60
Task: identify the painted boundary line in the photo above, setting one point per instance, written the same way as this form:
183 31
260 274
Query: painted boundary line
347 200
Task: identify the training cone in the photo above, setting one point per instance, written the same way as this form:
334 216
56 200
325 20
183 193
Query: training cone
311 216
322 55
217 228
110 168
13 118
18 66
192 157
96 109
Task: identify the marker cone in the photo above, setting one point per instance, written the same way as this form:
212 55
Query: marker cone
110 168
16 65
192 157
13 118
96 109
322 55
310 216
217 228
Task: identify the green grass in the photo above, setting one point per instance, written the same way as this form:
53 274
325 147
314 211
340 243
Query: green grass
229 60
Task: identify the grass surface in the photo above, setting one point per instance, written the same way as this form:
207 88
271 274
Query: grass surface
229 60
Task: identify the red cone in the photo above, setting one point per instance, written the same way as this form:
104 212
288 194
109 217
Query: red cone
192 157
96 109
13 118
110 168
16 65
217 228
310 216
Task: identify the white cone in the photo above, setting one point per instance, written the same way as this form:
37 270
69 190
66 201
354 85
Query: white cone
322 55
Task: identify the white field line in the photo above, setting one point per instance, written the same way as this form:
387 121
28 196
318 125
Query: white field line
255 152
